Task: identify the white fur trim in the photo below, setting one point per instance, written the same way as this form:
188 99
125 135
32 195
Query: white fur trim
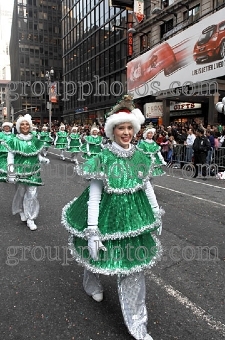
26 118
7 124
93 129
136 118
153 130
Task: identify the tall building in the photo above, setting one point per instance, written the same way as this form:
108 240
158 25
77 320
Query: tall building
95 52
5 28
35 48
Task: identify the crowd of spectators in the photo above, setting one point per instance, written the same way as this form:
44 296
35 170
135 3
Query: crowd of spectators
173 139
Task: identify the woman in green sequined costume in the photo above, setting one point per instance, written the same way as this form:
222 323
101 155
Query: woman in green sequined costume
113 221
92 144
45 137
5 135
24 169
74 143
151 148
61 140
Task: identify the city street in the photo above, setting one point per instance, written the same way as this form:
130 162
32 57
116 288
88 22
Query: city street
42 297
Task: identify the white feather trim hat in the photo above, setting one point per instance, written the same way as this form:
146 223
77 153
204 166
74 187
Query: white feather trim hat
148 129
26 118
93 128
7 124
123 112
62 126
74 128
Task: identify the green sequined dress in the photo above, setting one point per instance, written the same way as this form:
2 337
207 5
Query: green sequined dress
61 141
152 149
26 149
74 142
45 138
126 220
91 147
4 137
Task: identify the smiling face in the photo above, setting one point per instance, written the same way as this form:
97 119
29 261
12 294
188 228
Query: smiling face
123 134
150 135
6 128
24 127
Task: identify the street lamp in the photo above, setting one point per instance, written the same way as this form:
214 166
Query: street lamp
220 106
49 77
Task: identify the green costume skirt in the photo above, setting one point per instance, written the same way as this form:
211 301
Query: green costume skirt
126 233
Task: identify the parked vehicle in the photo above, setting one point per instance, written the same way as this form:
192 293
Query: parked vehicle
211 44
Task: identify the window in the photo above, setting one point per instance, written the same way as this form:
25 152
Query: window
192 14
166 27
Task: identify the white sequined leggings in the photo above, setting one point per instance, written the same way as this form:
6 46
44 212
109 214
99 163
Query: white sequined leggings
131 291
25 200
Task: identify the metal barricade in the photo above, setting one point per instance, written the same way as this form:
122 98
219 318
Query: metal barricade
180 154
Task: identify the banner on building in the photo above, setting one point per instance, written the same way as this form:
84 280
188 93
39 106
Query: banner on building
184 64
53 93
139 10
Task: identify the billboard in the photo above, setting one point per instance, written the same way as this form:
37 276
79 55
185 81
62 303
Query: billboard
193 56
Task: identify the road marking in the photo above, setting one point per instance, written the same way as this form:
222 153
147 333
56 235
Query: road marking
183 193
196 310
193 181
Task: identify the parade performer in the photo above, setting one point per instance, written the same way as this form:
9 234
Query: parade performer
45 137
61 140
74 143
24 168
112 223
34 130
92 144
5 135
151 148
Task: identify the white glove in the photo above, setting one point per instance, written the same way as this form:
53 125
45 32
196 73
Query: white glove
94 245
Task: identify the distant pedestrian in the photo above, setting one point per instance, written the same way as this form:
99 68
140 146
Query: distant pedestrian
201 146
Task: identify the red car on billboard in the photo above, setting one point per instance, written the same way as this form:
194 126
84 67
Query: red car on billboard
211 44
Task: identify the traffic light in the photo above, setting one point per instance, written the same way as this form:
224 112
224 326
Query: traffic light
126 4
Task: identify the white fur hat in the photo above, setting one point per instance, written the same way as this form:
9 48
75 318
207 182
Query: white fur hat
124 112
44 127
61 126
94 127
147 130
7 124
26 118
75 127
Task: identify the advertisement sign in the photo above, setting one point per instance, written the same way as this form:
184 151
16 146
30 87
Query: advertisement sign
130 41
53 93
153 110
189 59
139 10
175 106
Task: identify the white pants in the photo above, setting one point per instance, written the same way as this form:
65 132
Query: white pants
131 291
25 200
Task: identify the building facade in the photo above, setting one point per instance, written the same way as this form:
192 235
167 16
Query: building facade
95 52
35 48
177 72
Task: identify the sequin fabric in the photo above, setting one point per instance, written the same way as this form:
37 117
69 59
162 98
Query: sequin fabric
152 149
27 167
126 220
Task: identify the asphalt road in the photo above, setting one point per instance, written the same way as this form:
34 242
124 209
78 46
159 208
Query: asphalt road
41 286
